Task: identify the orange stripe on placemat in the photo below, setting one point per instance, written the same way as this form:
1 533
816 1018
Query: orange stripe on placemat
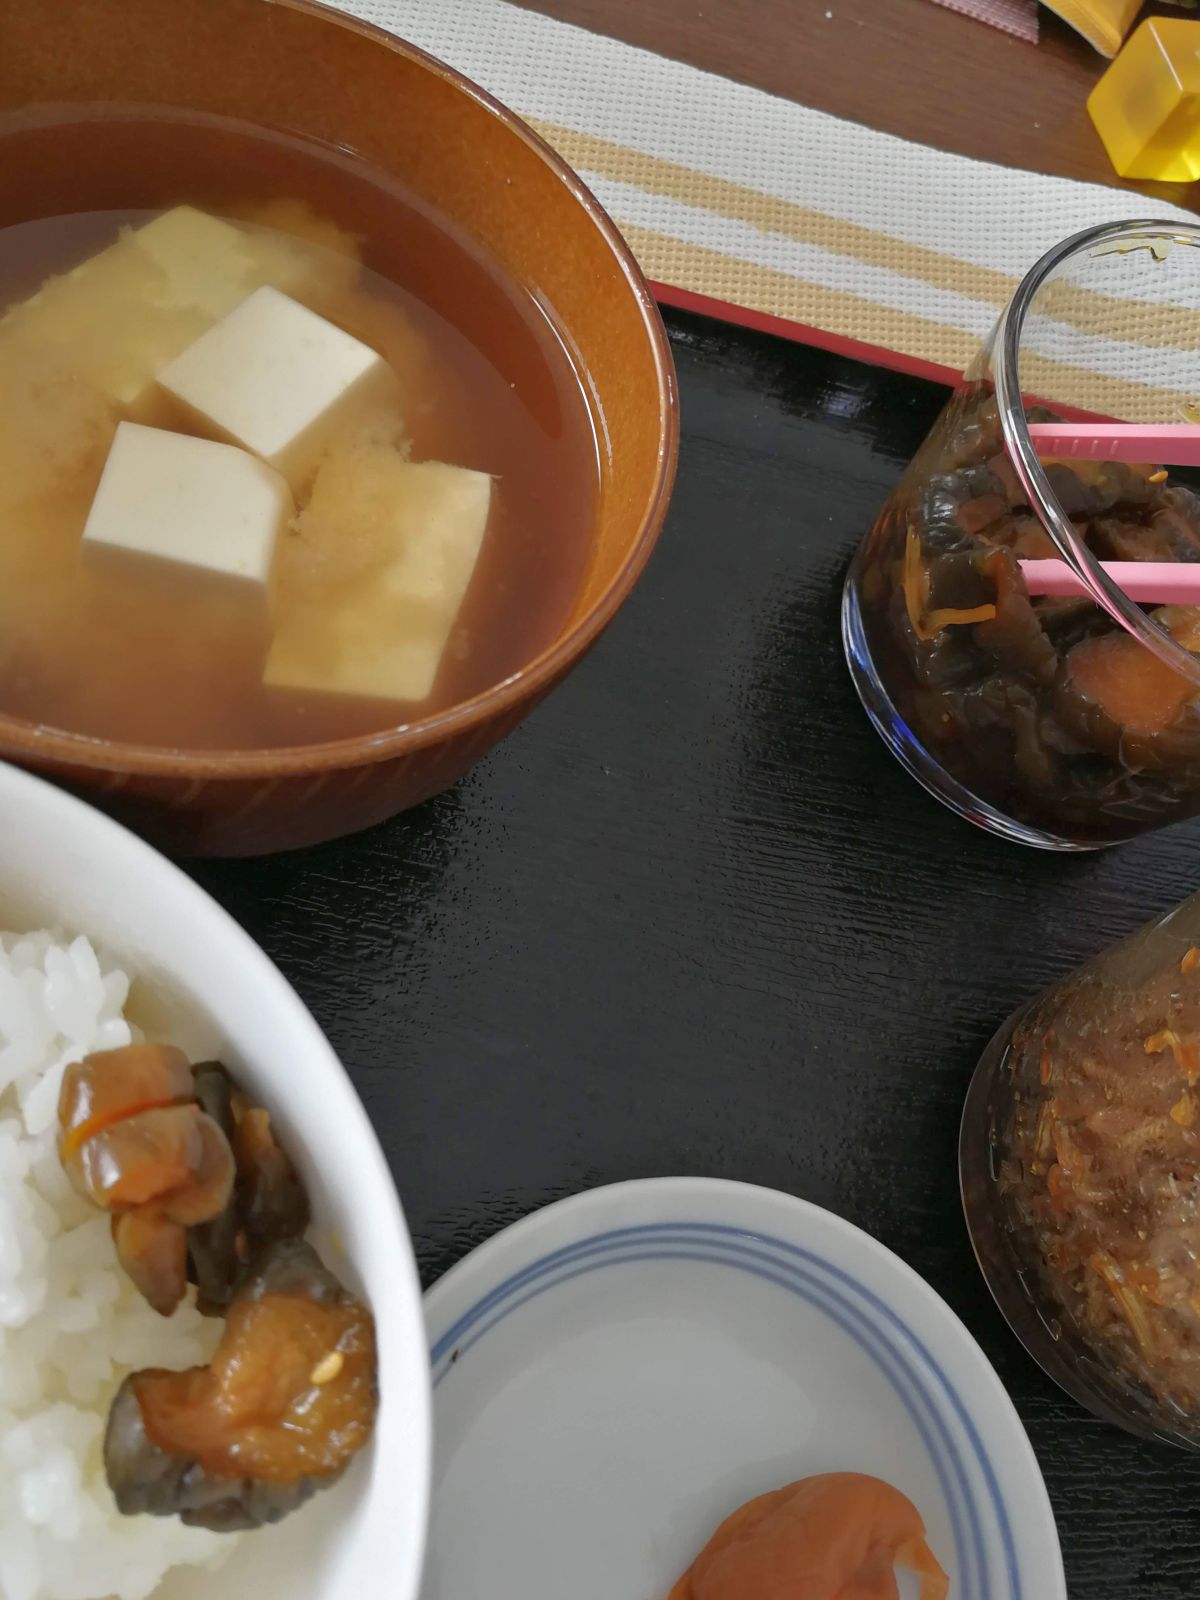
1086 308
724 279
1109 395
769 214
721 277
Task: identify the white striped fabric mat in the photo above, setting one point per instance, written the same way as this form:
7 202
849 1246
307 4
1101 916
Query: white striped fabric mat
776 209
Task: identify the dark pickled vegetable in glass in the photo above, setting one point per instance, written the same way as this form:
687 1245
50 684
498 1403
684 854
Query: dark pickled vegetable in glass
1042 708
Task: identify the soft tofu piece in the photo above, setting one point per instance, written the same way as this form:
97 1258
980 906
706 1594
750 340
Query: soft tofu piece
56 432
108 320
125 312
206 264
207 510
129 310
277 379
300 252
373 582
213 265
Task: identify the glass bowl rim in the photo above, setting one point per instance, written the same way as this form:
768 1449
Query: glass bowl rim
1004 351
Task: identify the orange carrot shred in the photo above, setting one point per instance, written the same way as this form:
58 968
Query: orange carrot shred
1185 1051
928 624
74 1141
1184 1111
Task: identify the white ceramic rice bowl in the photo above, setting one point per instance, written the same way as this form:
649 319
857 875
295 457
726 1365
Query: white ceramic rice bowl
66 866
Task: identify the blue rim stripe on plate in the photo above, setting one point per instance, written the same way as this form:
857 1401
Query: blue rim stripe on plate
746 1236
974 1572
743 1250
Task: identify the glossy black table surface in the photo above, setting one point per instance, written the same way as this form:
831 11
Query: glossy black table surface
692 918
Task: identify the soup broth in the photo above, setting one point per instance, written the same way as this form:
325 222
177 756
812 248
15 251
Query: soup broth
485 379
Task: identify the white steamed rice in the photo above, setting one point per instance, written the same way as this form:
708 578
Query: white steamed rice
71 1324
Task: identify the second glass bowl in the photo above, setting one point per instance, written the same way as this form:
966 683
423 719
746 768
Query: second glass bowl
1079 1160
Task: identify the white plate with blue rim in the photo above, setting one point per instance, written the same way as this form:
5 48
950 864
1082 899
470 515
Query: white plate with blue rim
617 1373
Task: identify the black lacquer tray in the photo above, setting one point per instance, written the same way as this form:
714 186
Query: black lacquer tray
693 918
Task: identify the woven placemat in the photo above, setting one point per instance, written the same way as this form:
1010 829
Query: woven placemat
767 207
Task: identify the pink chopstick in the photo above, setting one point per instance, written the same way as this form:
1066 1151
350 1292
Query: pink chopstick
1159 583
1175 444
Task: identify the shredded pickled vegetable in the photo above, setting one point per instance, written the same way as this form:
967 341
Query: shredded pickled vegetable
1099 1170
927 624
1184 1111
1185 1051
1046 1067
1128 1301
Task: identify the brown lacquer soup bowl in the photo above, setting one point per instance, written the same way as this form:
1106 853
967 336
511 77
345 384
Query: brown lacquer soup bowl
379 111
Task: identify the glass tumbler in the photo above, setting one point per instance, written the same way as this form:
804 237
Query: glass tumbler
1079 1159
1073 722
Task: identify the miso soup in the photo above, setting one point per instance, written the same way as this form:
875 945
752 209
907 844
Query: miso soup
168 281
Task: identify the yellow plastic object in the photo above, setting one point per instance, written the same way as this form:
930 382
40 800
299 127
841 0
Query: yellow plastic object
1103 23
1146 107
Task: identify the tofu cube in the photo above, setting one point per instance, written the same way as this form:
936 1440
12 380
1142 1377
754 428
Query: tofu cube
205 263
192 261
126 312
169 502
276 379
373 582
212 265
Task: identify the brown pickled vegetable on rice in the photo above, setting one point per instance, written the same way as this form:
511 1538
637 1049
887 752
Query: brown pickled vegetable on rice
199 1188
134 1142
286 1402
